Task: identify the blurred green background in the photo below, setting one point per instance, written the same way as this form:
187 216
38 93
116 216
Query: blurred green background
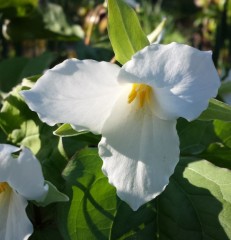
37 34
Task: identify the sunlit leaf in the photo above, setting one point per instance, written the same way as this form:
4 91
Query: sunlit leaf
216 110
197 202
124 30
65 130
195 205
54 195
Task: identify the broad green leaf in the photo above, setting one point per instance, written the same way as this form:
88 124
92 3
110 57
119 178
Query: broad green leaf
65 130
54 195
95 211
73 140
124 30
141 224
216 110
197 203
223 131
94 201
195 136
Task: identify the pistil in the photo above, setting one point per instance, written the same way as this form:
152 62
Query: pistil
141 92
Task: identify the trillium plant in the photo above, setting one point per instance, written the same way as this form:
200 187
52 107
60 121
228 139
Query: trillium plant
136 148
134 108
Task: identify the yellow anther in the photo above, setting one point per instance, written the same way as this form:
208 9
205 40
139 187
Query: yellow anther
133 93
3 186
141 92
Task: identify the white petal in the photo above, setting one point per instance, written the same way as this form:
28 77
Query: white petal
25 176
5 160
81 93
14 223
183 78
139 152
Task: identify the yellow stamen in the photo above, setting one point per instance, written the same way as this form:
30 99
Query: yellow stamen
3 186
142 92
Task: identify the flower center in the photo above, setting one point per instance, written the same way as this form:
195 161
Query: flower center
141 92
3 187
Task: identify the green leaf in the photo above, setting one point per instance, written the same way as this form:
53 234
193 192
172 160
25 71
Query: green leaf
73 140
65 130
216 110
124 30
94 201
153 36
16 3
20 8
23 127
223 131
55 20
225 88
30 81
54 195
197 203
47 22
13 70
195 136
218 155
95 211
45 227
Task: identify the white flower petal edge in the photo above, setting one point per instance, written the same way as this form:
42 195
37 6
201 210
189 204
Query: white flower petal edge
21 179
183 78
26 176
81 93
139 152
14 223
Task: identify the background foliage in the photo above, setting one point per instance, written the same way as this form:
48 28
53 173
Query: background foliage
35 36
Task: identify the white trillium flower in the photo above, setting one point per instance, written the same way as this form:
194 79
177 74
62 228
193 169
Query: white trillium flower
21 179
134 108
